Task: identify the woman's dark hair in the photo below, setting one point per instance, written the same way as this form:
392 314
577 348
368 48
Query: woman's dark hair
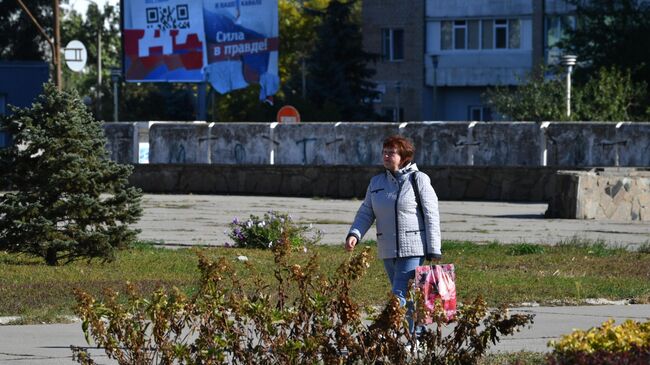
403 146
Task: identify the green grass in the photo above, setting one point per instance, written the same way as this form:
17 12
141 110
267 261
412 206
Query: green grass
644 248
518 358
503 274
525 249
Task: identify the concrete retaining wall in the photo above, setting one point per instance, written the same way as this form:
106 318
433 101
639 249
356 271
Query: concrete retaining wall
451 182
577 144
616 194
122 142
179 143
240 143
437 143
633 143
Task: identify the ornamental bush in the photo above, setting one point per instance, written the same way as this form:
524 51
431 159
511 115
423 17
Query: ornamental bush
627 343
265 232
304 317
69 200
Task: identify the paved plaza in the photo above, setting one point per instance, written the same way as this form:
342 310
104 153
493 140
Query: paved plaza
180 220
202 220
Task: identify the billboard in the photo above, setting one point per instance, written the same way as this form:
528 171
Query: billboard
229 43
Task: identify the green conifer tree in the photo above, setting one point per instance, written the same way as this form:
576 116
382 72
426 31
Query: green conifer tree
69 201
339 73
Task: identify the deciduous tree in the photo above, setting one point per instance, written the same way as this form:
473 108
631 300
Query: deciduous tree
609 95
21 40
535 99
611 33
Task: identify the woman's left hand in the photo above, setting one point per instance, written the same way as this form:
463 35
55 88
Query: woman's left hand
350 242
434 258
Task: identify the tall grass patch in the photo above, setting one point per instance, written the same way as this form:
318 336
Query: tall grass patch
502 274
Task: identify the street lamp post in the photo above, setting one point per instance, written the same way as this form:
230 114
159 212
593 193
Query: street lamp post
434 64
99 63
569 61
116 75
57 43
100 27
398 90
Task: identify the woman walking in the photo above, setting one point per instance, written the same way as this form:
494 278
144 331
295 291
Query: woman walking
405 206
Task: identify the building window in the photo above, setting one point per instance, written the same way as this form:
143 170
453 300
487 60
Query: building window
460 33
445 35
514 34
472 34
479 113
490 33
392 44
500 33
557 27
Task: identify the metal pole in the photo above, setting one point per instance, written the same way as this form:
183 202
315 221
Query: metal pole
116 74
435 94
568 91
398 89
57 45
201 112
569 61
99 64
304 79
115 101
434 64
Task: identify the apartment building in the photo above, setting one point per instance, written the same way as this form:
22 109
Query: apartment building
438 57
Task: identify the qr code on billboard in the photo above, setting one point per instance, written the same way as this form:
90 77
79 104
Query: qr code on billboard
168 17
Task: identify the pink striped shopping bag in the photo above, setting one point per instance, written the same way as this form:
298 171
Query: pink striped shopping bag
437 283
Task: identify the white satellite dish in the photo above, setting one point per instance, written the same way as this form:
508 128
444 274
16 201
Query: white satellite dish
75 55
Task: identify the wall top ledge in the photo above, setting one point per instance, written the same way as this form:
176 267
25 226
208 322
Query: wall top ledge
609 172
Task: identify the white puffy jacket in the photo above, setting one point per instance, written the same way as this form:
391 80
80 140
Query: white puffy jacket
403 230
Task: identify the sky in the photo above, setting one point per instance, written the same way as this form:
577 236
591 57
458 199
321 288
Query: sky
81 5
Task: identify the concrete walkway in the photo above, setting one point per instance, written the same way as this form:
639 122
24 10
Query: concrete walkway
202 219
50 344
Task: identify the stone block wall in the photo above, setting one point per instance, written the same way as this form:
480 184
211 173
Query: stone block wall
632 144
239 143
616 194
179 143
581 144
509 144
567 145
343 181
122 142
440 143
360 144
